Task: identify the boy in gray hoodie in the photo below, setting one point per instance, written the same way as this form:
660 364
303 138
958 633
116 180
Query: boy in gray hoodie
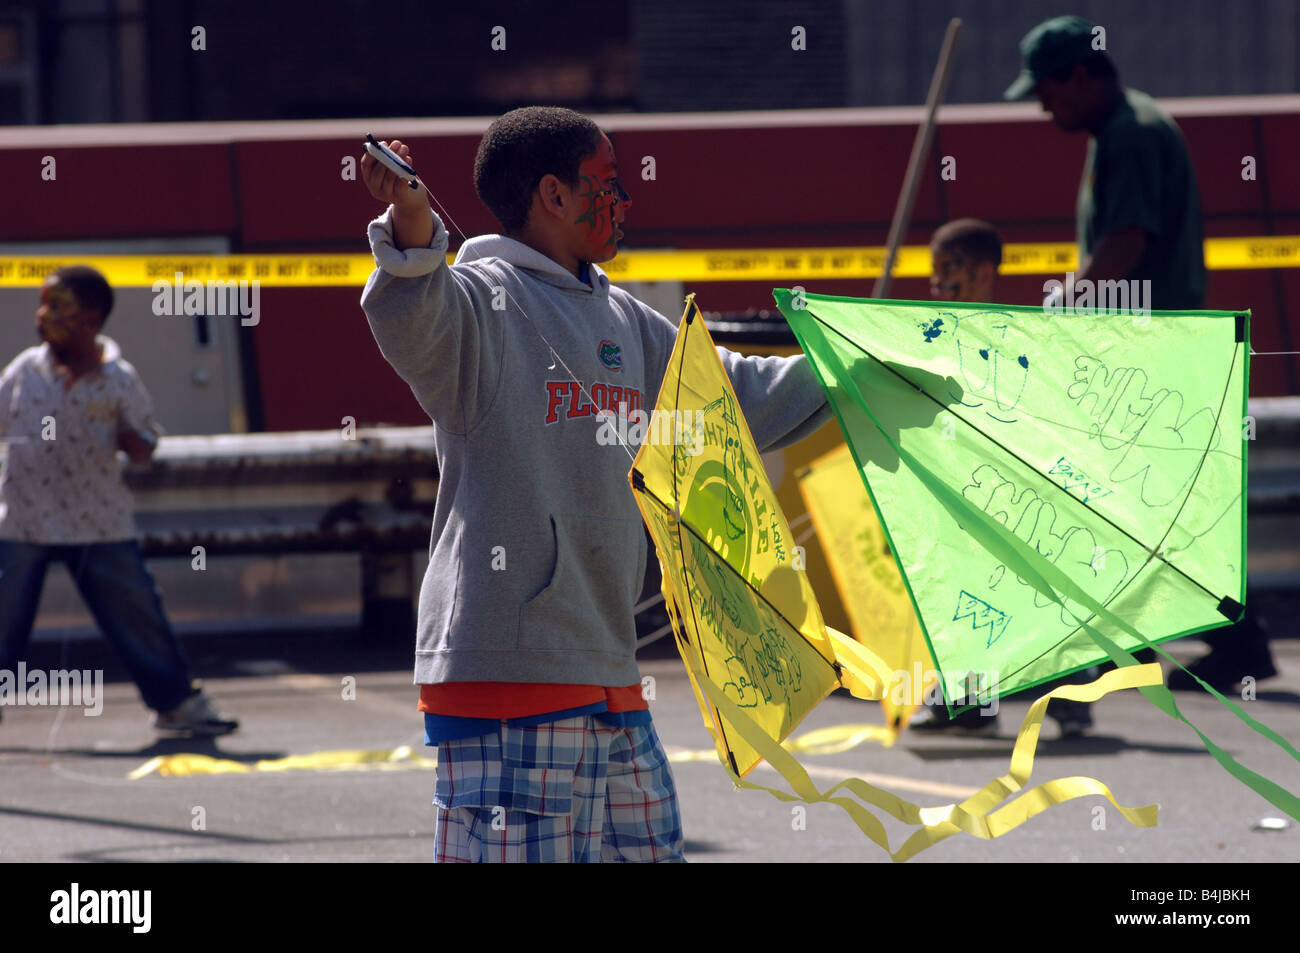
519 353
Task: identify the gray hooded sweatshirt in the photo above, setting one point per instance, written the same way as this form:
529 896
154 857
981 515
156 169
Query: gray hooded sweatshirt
537 554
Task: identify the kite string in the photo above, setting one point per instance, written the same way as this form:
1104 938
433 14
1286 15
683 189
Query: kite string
554 353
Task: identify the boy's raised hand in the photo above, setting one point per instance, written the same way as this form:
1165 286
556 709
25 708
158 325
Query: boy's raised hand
412 217
386 185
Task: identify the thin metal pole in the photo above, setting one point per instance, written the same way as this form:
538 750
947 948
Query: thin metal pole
920 149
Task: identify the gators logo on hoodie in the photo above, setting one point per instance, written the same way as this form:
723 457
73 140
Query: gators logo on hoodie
611 355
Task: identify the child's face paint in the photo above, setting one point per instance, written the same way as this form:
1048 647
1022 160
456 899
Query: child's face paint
946 273
602 204
954 277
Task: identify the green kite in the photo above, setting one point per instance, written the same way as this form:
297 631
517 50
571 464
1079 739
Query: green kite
1058 490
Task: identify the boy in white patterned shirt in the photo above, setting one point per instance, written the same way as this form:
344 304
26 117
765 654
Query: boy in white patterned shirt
66 408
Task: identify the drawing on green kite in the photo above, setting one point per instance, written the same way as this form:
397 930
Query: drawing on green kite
932 331
1073 480
1120 413
981 615
1003 378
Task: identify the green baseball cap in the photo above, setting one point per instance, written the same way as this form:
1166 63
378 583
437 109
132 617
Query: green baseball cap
1049 49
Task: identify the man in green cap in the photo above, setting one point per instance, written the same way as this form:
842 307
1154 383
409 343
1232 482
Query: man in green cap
1139 218
1139 215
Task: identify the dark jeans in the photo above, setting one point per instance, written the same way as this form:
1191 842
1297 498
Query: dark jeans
120 593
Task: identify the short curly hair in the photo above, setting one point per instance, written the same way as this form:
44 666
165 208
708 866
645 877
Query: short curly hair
89 287
520 148
972 237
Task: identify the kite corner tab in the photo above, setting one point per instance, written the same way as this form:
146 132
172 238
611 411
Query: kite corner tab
638 481
1241 328
1231 609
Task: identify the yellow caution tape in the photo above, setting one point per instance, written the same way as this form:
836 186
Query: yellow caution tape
765 264
1270 251
184 765
144 271
801 265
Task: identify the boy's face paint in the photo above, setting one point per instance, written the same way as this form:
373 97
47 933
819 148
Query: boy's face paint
953 277
602 204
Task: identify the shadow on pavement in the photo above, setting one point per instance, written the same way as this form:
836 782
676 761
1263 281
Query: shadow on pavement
1049 748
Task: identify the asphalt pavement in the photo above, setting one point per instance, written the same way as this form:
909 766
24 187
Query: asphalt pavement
67 791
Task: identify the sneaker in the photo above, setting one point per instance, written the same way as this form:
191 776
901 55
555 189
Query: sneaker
197 716
1072 718
969 723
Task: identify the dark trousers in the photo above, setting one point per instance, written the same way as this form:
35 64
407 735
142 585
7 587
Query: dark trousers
122 596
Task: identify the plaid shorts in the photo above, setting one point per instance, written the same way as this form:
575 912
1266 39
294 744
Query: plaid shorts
575 790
